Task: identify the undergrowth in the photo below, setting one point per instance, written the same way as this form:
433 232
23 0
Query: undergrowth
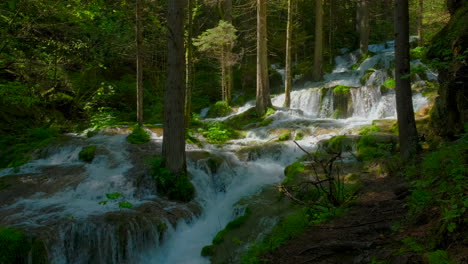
138 136
175 187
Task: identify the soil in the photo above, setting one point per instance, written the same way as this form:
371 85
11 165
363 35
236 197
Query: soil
362 235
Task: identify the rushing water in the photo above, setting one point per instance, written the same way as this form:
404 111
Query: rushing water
83 240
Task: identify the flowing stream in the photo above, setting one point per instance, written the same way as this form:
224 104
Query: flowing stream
247 166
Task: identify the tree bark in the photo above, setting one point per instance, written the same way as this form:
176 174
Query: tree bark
288 77
363 27
420 23
139 63
173 148
318 52
229 72
263 89
189 63
406 124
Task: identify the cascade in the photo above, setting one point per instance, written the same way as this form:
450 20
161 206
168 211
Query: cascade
77 228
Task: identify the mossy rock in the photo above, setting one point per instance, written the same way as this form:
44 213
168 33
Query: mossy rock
219 109
249 119
14 246
138 136
285 136
87 154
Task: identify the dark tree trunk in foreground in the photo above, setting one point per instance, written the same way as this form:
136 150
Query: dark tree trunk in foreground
173 148
139 62
288 77
406 123
263 86
318 51
189 63
363 26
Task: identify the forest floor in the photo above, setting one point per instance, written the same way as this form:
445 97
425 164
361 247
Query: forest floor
362 235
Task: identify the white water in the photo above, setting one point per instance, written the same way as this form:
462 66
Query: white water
217 193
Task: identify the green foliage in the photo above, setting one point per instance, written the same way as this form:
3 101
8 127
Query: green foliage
341 90
418 53
138 136
177 188
14 246
439 257
104 117
292 170
442 184
234 224
217 132
285 136
389 84
368 149
299 136
286 229
215 40
219 109
207 251
113 196
87 154
369 129
16 150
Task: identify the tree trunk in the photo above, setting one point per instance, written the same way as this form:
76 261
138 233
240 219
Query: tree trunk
173 148
189 64
420 23
406 123
139 63
318 52
229 72
263 89
288 77
363 27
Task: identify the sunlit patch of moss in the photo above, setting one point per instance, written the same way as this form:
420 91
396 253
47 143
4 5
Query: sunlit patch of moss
87 154
285 136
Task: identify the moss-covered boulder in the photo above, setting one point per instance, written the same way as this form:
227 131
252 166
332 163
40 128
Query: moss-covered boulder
219 109
87 153
448 47
342 104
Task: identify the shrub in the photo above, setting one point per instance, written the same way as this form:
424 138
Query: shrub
218 132
14 246
219 109
138 136
175 187
87 154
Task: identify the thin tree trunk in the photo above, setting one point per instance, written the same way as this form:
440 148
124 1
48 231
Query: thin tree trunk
173 148
263 89
139 62
420 23
189 64
288 77
406 123
363 10
318 52
229 71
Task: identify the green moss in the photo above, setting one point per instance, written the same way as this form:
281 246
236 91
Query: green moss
389 84
291 171
299 136
289 227
234 224
87 154
219 109
365 77
207 251
341 90
335 144
368 149
369 129
175 187
14 246
285 136
418 53
361 60
336 114
138 136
